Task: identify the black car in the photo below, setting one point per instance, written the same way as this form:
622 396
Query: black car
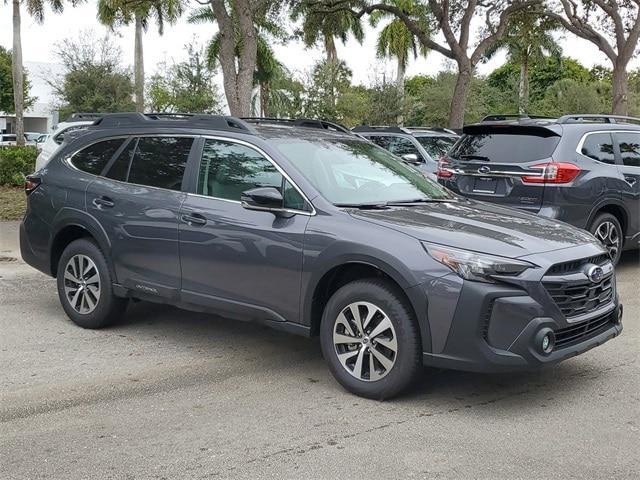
420 146
314 231
581 169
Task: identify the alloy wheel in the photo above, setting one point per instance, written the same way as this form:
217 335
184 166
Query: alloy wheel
82 284
365 341
608 234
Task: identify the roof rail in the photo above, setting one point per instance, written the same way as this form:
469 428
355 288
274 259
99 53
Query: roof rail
379 128
431 129
593 117
135 119
298 122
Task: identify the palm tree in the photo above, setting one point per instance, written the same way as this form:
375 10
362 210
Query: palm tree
114 13
268 67
35 8
396 40
326 27
528 42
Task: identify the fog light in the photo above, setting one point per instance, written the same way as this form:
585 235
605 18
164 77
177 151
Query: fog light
545 339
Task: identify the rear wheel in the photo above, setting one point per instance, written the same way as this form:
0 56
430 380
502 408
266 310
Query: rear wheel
606 228
370 339
85 286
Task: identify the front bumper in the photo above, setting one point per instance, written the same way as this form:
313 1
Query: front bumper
496 328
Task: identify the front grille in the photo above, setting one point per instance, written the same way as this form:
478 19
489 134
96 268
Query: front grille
576 265
578 298
565 337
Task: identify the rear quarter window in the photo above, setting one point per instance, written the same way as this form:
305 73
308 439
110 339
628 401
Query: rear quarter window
95 157
504 147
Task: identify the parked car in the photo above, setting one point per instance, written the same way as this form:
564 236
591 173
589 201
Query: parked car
581 169
420 146
77 122
7 139
42 138
315 232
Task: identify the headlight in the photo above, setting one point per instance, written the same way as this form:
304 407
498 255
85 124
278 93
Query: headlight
475 266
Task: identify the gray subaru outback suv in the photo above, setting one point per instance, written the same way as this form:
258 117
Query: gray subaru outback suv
315 232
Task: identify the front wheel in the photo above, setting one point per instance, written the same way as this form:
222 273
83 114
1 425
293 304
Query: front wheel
370 339
606 228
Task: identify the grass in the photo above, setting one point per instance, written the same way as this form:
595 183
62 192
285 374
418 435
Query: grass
13 203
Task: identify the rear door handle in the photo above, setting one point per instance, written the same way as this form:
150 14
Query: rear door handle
193 219
103 202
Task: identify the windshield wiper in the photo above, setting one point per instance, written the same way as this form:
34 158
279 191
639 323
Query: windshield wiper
475 157
363 206
420 200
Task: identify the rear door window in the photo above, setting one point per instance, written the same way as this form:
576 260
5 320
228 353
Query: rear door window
504 148
629 148
160 162
94 158
599 146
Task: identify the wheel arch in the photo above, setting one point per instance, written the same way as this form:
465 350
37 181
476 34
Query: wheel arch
617 209
333 277
70 225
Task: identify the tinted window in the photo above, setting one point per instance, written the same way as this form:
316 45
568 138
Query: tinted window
629 148
397 145
95 157
504 148
227 169
436 146
599 146
160 162
119 169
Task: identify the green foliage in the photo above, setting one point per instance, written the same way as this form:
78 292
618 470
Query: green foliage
329 80
16 163
6 84
571 96
187 86
94 80
116 13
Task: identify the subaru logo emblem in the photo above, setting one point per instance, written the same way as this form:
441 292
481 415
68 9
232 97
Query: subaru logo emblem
595 274
484 169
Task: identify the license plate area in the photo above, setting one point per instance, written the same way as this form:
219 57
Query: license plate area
485 185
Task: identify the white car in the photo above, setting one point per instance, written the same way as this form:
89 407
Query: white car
53 142
7 139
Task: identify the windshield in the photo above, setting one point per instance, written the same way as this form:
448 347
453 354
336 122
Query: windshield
437 146
354 172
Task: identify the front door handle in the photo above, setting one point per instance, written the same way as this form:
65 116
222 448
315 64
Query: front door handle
193 219
631 180
103 202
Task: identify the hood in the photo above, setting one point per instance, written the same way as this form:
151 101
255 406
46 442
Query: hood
480 227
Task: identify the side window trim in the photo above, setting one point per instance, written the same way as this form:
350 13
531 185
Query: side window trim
192 186
616 149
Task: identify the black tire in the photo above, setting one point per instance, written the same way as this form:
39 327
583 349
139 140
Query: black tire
108 307
408 357
598 227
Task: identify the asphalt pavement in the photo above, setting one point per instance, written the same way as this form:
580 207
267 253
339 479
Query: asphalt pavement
169 394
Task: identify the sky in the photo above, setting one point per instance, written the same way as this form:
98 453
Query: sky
38 45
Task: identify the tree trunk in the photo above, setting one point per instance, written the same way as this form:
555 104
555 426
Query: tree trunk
237 70
620 89
18 75
138 66
330 48
459 100
400 85
523 93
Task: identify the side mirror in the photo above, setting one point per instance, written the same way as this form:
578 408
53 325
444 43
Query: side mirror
263 198
411 158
